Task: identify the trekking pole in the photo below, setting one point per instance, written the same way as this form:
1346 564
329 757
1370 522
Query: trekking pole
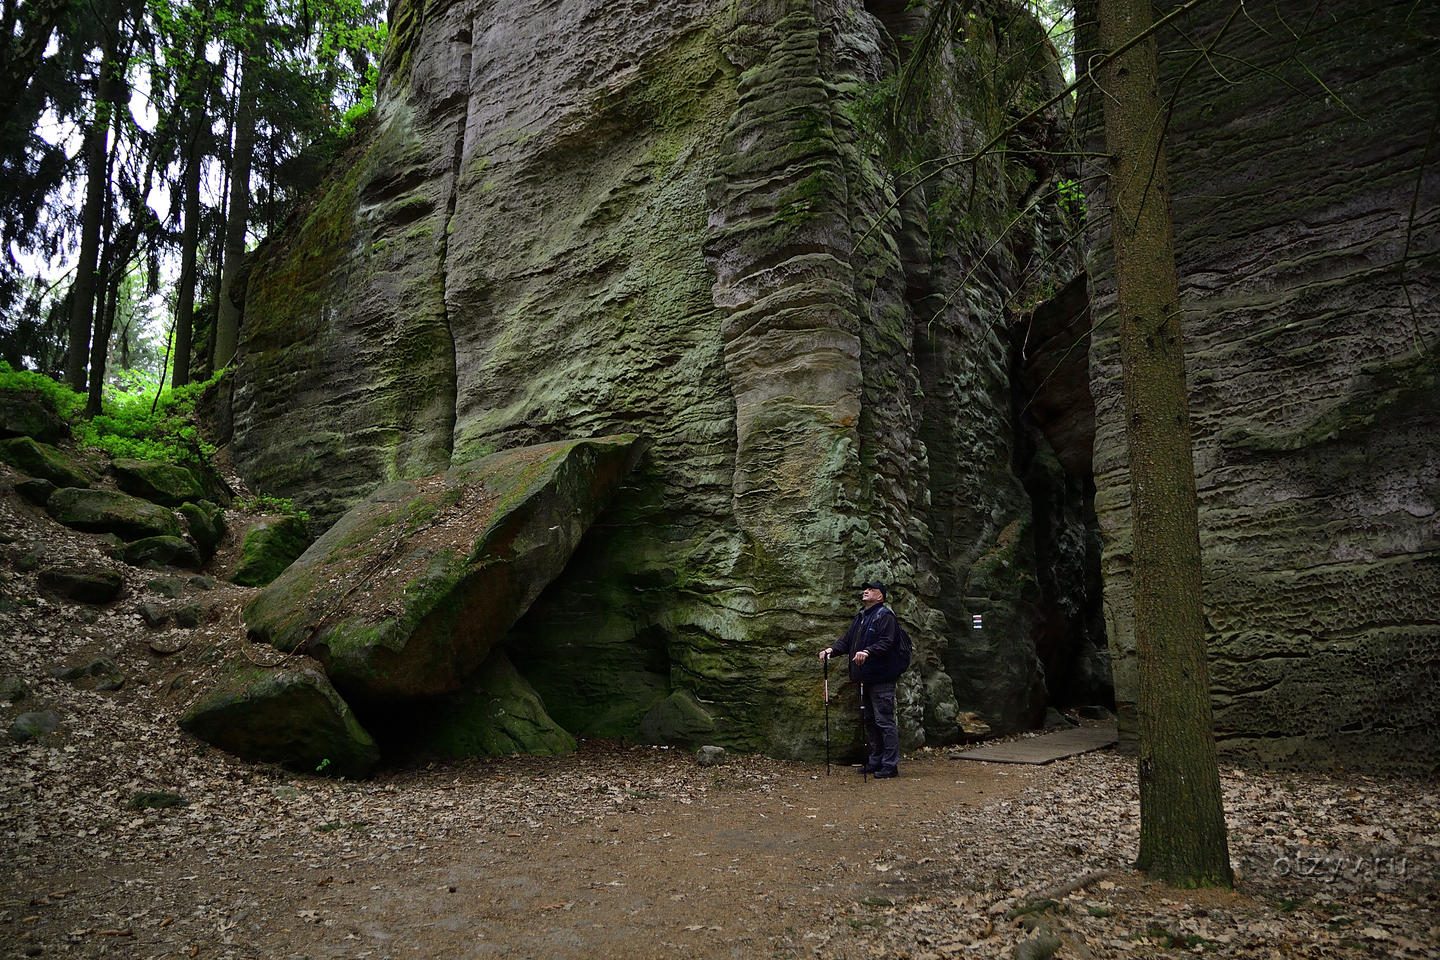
827 716
864 736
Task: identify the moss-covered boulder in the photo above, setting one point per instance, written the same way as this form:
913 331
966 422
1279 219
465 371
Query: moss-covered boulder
207 525
289 715
167 484
165 551
83 584
269 548
496 714
109 511
43 461
36 490
407 594
20 417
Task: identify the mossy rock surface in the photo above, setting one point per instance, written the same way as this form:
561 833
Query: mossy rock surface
408 593
25 418
82 584
109 511
269 548
290 715
677 721
207 525
496 714
36 490
43 461
167 484
166 551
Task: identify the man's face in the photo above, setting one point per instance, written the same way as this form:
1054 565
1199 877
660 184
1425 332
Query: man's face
870 595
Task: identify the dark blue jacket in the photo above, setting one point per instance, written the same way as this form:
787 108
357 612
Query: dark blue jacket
876 631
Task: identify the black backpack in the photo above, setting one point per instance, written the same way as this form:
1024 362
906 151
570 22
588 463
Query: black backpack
904 650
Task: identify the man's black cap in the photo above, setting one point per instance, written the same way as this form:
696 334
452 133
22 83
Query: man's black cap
878 586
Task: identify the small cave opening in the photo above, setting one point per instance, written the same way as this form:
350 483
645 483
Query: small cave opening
1054 428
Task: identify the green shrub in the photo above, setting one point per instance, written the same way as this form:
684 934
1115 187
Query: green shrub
27 383
130 425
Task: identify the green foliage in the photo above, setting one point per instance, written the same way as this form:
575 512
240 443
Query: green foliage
280 505
135 425
66 402
1072 197
127 425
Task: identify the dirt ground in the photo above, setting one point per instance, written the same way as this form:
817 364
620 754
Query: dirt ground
637 852
614 852
618 850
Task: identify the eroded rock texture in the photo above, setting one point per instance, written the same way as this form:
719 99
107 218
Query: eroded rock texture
665 218
1311 360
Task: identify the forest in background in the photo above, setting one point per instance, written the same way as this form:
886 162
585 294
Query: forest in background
144 147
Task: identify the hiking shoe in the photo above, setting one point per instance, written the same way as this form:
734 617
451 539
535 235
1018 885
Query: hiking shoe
886 774
869 769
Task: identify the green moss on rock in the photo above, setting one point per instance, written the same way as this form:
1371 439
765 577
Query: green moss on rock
43 461
496 714
270 547
289 715
405 598
107 511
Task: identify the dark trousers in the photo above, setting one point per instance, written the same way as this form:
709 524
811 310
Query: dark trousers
877 708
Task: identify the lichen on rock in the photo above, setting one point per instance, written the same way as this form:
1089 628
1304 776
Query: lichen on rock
409 592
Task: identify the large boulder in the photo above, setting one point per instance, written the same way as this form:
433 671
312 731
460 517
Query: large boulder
677 721
164 551
83 584
109 511
497 713
407 594
43 461
167 484
270 547
289 715
26 418
207 525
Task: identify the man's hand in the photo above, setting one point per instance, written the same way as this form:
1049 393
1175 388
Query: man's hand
860 657
825 654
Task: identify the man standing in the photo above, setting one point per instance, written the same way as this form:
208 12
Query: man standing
875 664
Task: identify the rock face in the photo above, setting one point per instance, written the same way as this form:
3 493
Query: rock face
289 715
408 593
270 547
496 714
108 511
1310 343
669 219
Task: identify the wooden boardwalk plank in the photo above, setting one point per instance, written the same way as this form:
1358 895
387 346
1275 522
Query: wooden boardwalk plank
1045 748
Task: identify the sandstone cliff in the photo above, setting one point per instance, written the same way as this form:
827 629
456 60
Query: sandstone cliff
578 218
1308 241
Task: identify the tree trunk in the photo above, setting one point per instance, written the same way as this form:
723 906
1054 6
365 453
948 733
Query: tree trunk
97 176
98 342
113 273
185 300
1182 819
242 154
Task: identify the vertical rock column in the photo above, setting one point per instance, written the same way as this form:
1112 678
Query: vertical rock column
816 335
